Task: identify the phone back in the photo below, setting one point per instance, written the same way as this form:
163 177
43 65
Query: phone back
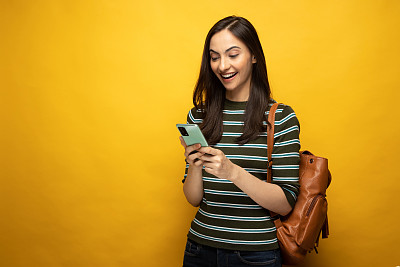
192 134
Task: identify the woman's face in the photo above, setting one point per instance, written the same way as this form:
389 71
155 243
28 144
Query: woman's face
232 62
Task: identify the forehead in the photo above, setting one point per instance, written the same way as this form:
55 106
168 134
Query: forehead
223 40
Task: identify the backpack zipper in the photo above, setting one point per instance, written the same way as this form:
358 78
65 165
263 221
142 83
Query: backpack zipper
314 201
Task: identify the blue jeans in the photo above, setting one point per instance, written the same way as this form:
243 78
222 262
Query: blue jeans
197 255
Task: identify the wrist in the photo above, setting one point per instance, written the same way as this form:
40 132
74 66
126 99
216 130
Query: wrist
196 167
235 173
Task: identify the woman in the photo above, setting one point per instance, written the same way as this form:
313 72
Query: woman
227 180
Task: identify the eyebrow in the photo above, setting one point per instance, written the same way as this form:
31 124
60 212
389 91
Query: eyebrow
227 50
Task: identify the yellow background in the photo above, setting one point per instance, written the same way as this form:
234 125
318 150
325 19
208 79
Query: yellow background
90 92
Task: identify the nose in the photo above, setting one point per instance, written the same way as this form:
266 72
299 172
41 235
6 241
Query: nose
224 64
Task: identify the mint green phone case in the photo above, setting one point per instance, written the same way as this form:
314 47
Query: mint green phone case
192 134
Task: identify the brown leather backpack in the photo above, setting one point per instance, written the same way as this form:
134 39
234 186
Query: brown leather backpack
299 231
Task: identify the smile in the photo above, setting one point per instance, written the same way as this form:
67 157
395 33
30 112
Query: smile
228 76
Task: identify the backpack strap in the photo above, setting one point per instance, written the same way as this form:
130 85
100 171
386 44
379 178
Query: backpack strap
270 147
325 228
270 139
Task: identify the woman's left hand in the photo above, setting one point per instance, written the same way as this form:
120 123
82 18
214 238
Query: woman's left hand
217 164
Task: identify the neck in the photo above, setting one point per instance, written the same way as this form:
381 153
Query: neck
238 95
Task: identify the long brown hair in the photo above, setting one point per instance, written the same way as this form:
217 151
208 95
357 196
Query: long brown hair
209 93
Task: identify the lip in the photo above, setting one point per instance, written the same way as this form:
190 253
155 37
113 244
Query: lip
230 78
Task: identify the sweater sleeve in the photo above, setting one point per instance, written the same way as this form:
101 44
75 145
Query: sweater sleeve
285 154
193 117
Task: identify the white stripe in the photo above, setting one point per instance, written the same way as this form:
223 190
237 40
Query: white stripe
193 119
239 134
292 186
289 178
231 205
283 167
288 117
289 142
264 146
231 134
228 193
234 218
278 110
231 241
233 123
240 111
238 123
256 170
241 157
225 111
293 194
216 180
234 230
291 115
288 130
286 155
281 179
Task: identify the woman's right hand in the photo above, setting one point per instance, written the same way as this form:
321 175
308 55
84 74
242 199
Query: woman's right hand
193 185
192 157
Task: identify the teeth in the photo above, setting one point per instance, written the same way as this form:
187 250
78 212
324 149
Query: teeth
227 76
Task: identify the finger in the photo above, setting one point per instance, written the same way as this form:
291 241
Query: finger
209 165
209 170
209 150
194 156
182 142
198 163
208 158
190 149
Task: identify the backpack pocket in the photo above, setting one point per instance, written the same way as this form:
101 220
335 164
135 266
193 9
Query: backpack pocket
311 222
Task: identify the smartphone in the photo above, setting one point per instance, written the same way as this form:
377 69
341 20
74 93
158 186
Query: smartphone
192 134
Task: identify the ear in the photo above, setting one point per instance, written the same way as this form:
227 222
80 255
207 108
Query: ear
253 59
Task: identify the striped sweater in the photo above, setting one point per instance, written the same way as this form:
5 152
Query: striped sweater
227 218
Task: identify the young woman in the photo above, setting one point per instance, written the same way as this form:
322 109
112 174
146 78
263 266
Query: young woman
227 180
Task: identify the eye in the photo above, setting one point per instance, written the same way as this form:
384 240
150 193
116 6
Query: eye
213 59
233 56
